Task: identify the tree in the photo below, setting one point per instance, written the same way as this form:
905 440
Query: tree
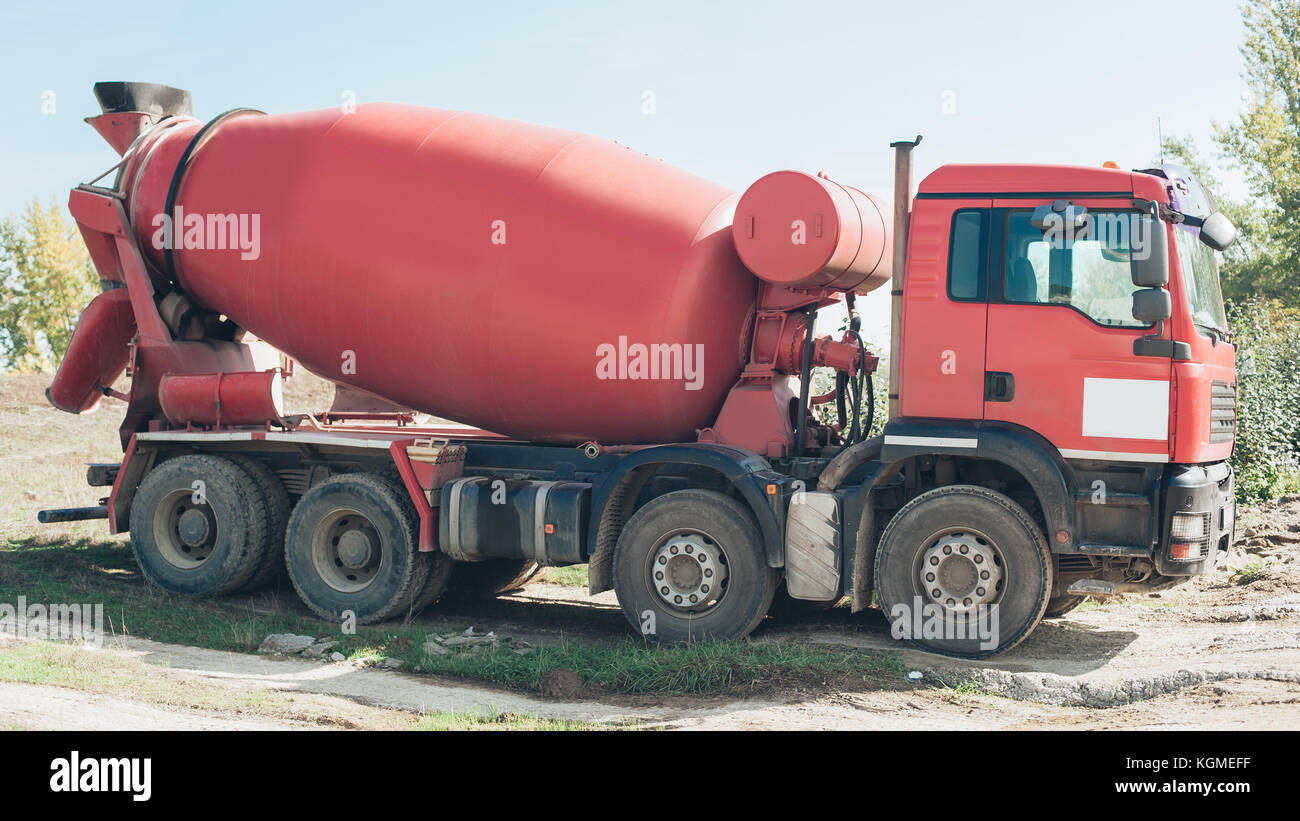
1251 266
46 279
1264 143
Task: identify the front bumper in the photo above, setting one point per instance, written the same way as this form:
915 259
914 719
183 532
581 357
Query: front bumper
1199 518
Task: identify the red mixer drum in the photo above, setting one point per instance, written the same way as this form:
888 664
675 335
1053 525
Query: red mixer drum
539 283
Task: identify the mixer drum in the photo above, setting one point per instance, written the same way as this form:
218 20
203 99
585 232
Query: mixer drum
495 273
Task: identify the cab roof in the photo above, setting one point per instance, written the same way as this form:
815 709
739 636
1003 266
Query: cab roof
1016 178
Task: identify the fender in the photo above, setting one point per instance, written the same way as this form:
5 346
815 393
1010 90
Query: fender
614 494
1019 448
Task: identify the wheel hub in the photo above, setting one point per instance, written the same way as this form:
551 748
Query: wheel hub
192 527
687 572
355 549
347 551
961 571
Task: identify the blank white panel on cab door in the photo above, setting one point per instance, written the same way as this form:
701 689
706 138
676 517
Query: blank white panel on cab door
1126 408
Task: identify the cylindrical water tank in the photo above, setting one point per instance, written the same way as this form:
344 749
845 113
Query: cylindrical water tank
803 231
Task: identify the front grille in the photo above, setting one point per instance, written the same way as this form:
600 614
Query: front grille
1223 412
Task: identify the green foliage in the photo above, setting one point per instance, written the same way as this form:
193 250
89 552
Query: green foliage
1253 571
1266 459
46 279
1264 143
827 414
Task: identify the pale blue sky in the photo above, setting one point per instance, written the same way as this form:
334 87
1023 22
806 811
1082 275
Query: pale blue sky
741 89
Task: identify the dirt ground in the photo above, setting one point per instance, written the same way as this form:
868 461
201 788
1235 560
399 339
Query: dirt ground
1211 653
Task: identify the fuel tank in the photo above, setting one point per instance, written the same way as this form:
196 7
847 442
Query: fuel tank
539 283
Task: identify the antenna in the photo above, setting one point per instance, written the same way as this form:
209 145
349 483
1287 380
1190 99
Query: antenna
1160 135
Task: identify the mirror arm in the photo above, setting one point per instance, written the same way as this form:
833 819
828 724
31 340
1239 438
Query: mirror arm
1152 345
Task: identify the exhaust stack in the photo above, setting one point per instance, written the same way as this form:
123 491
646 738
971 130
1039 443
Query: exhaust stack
902 213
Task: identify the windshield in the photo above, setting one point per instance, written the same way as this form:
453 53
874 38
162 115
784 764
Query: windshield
1201 280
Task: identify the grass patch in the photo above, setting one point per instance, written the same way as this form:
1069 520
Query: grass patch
574 575
965 688
89 571
629 665
502 721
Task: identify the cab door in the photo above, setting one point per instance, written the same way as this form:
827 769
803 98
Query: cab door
1059 353
945 309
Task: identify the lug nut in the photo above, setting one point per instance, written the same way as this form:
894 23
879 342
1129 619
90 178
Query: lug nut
929 577
979 591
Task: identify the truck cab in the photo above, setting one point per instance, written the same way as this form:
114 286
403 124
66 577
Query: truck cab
1064 343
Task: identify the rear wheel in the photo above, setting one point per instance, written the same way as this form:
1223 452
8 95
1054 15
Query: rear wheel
1058 606
198 526
689 566
278 509
351 549
963 571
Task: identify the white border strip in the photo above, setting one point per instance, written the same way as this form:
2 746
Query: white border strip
932 441
333 439
191 436
1114 456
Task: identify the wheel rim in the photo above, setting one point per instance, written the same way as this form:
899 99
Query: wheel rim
687 570
185 532
346 551
960 569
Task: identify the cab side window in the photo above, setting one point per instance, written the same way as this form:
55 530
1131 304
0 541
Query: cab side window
968 256
1088 271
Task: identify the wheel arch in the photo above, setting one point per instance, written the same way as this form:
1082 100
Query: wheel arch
614 498
1015 451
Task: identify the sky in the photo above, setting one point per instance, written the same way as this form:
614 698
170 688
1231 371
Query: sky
738 89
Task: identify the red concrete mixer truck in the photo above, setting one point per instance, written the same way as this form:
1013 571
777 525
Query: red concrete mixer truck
626 354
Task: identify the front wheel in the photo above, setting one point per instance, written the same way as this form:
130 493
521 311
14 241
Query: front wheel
689 566
963 571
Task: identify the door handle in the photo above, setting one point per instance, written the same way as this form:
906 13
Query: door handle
999 386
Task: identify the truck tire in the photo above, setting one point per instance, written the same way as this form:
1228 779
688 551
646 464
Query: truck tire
692 543
492 577
198 527
351 549
441 567
953 549
1058 606
278 509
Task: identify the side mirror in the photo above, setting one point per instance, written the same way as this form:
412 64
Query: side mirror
1149 252
1218 232
1152 305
